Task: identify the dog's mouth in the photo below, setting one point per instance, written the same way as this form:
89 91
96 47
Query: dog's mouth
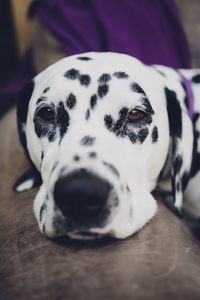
85 235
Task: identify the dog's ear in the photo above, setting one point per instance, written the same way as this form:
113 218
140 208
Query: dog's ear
32 177
180 151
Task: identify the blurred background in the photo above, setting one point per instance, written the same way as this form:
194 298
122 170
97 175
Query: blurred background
37 33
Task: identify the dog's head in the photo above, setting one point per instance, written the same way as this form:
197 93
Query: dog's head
95 126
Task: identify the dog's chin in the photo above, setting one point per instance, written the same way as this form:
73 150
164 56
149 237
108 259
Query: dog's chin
85 235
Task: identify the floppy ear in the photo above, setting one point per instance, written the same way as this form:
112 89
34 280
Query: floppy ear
32 177
180 151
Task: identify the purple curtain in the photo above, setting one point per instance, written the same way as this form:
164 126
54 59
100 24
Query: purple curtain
150 30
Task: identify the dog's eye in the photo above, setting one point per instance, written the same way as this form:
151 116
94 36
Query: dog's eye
135 115
46 114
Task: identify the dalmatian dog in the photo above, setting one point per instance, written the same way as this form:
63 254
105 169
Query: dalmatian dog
102 131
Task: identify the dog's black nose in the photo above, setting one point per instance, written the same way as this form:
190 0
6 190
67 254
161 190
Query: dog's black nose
82 197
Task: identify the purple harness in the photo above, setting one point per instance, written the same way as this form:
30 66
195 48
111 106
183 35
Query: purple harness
190 96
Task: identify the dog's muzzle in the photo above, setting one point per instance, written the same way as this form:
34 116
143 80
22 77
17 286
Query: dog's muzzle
83 199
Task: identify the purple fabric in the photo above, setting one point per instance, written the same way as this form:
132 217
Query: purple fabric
147 29
190 96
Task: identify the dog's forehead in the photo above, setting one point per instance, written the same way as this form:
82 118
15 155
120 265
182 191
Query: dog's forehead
90 73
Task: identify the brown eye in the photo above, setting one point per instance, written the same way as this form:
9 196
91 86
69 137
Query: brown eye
135 115
47 114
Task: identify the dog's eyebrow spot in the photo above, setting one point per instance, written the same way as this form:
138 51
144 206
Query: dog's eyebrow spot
120 75
76 158
72 74
87 114
41 99
147 105
71 101
84 58
102 90
85 79
92 154
108 120
154 134
93 100
62 119
196 78
136 88
88 140
112 169
42 209
105 77
46 90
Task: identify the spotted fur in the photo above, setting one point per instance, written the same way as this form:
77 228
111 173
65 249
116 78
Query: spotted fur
108 130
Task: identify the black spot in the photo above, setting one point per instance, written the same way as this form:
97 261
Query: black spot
122 117
55 165
195 154
84 58
128 189
71 101
93 101
112 169
104 78
62 119
108 120
147 106
174 114
88 140
185 180
177 163
87 114
186 99
137 88
92 154
41 99
85 80
42 209
32 174
196 78
76 157
42 156
72 74
138 137
46 90
44 228
142 134
133 137
154 134
178 186
102 90
120 75
23 99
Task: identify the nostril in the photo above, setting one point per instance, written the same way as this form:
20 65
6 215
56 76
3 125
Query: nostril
81 195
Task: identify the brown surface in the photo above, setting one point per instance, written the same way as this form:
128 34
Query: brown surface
160 262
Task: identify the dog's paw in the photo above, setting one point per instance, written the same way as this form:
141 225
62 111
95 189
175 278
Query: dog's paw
30 179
